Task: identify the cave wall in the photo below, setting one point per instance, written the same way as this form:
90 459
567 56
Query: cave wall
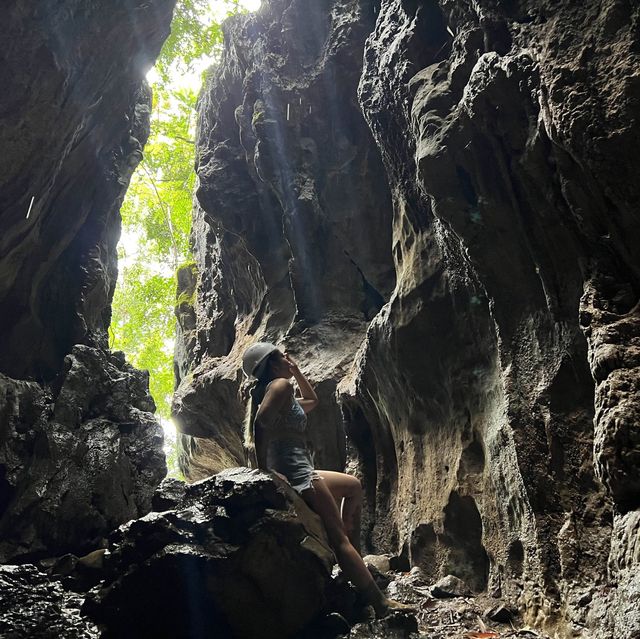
80 451
289 184
459 278
523 295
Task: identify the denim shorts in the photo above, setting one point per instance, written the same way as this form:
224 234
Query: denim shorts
290 458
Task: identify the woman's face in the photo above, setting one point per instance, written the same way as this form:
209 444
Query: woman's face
279 366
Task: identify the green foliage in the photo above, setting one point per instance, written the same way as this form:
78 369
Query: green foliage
157 208
195 33
156 212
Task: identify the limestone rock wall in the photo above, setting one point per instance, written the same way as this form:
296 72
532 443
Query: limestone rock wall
80 451
463 291
516 174
292 234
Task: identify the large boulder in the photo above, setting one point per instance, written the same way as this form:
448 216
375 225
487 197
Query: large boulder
78 460
32 605
239 555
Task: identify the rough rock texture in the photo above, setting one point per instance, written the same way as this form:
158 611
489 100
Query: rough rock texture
523 217
74 119
79 450
492 407
241 555
77 460
288 175
33 606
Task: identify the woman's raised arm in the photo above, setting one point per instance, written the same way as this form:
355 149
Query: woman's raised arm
309 398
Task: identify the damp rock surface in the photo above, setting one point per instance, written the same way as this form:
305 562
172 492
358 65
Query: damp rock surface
240 556
32 605
478 342
78 461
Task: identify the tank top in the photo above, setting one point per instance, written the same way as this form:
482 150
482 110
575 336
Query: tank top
291 421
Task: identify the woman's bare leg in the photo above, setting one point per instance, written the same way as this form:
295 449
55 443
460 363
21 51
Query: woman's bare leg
347 492
321 500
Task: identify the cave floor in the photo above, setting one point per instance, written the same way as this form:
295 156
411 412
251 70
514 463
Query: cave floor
444 615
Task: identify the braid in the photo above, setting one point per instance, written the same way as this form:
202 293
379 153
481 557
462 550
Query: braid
256 395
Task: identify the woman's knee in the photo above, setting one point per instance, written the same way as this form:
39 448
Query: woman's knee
355 487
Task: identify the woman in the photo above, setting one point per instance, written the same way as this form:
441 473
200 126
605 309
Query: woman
276 432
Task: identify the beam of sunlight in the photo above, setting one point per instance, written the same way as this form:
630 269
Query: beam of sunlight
151 246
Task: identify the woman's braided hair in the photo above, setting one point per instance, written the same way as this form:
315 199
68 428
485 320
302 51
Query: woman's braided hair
256 395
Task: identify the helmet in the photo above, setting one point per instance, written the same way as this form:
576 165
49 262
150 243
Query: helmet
256 355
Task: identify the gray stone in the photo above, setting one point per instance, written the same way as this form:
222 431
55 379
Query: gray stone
450 586
379 562
31 605
169 494
241 550
98 456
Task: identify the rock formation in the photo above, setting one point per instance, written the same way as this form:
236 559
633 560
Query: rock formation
288 173
33 606
238 555
80 451
433 205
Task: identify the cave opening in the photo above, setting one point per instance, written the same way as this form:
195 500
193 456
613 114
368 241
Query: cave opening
467 557
154 245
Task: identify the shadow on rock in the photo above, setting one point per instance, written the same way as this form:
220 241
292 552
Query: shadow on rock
240 555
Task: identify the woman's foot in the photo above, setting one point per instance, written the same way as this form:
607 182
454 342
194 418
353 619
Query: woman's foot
391 605
383 605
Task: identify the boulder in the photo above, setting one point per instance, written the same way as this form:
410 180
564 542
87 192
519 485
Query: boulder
77 460
240 556
32 605
450 586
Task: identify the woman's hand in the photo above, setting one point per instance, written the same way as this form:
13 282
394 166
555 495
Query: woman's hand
309 398
293 367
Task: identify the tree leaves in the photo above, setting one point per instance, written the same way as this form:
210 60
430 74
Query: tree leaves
156 213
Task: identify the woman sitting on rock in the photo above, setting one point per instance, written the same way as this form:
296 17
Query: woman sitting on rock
276 433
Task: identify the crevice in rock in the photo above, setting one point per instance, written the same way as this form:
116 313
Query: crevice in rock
6 490
515 559
373 300
472 460
467 557
422 547
359 436
431 38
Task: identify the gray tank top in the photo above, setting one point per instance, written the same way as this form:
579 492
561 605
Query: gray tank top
291 421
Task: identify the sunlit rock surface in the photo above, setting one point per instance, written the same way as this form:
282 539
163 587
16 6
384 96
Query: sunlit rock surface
31 605
240 555
80 451
487 276
290 186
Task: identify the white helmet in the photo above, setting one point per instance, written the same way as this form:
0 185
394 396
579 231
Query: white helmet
255 356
